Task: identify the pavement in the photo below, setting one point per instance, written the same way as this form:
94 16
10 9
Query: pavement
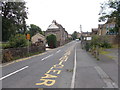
113 54
68 66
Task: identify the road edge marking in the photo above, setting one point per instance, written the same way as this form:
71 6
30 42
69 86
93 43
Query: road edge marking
74 72
13 73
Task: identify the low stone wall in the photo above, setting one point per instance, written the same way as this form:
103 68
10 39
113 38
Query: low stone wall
12 53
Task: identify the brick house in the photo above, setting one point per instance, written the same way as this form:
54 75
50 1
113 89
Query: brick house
58 31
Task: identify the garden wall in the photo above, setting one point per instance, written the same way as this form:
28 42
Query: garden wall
14 53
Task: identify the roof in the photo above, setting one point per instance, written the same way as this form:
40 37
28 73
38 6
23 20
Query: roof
86 32
53 26
94 29
38 35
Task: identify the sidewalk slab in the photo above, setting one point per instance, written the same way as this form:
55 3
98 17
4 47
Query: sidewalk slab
109 66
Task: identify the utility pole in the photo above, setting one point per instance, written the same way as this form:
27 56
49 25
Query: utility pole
81 36
81 29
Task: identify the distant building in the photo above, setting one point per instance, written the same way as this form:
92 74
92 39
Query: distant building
86 35
100 29
58 31
94 31
69 36
78 35
38 38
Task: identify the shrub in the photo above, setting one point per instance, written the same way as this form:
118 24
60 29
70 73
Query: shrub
7 57
5 45
18 40
87 46
51 40
100 41
104 42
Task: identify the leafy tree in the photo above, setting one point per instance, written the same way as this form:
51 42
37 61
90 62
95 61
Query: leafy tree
18 40
33 29
74 35
111 10
13 18
51 40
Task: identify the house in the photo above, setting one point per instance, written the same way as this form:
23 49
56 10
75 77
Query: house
95 31
78 35
86 35
100 29
69 36
38 38
107 28
58 30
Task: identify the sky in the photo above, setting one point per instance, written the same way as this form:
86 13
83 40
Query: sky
69 13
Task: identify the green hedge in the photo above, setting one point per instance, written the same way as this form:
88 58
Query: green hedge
52 41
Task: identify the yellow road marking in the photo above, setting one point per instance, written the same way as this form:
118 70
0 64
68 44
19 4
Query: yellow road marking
51 68
57 71
40 88
60 62
49 76
51 82
8 64
58 66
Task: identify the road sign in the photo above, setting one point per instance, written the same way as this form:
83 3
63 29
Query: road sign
28 36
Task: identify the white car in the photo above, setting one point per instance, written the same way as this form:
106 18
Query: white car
77 39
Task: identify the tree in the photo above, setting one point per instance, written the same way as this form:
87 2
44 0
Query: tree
51 40
113 6
34 29
18 40
74 35
13 18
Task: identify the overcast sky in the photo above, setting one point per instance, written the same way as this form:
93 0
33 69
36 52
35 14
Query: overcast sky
69 13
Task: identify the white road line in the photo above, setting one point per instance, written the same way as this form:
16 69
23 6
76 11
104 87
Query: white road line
74 72
58 51
47 57
14 72
109 83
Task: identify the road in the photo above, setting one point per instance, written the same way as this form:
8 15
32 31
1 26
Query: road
65 67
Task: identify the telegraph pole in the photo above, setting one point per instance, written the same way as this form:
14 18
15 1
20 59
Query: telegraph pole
80 28
81 36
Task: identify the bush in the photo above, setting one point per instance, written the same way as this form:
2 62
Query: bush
18 40
5 45
7 56
52 41
100 41
87 46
